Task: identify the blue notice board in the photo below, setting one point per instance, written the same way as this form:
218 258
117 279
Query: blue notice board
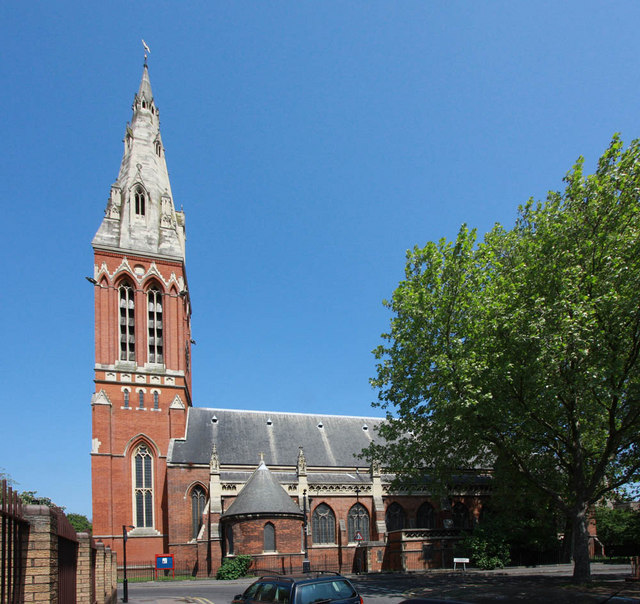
164 561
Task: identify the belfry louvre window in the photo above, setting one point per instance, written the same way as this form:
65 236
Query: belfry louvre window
358 522
323 524
156 340
140 201
127 323
143 487
197 508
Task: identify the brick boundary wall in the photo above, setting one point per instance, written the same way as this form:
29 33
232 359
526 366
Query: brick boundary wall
96 565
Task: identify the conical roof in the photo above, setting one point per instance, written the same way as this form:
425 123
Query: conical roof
263 495
144 91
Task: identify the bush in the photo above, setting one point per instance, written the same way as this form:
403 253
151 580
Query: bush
486 549
234 568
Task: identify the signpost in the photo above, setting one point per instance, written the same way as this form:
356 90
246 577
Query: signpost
164 562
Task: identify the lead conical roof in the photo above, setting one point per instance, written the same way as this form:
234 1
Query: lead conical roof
263 495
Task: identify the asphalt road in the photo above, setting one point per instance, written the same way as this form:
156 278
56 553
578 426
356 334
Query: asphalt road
208 591
544 585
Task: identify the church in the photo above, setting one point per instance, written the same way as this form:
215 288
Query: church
204 484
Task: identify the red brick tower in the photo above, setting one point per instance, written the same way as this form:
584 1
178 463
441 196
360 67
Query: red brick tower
143 342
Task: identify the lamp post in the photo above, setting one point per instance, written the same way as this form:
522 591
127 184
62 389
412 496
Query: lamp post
125 584
306 565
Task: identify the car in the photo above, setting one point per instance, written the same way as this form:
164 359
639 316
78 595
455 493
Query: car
316 587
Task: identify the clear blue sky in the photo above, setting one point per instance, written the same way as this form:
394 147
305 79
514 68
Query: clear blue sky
311 144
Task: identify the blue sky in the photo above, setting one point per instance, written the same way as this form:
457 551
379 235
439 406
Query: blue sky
310 144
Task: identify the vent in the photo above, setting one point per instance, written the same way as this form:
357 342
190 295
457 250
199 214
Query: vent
320 426
269 422
214 420
365 427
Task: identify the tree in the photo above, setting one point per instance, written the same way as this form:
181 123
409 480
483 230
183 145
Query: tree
524 347
80 523
619 530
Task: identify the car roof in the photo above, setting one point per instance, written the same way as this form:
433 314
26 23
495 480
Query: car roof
314 576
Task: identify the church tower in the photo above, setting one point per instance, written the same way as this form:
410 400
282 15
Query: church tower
142 341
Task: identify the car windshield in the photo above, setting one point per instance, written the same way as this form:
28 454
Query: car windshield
324 591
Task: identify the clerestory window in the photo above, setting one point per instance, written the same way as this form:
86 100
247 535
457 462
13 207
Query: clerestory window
358 523
395 517
127 322
155 327
460 515
197 509
426 517
323 524
143 487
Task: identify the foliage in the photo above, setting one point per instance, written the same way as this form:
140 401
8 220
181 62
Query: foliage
527 519
487 547
32 498
234 568
618 530
525 348
80 523
6 477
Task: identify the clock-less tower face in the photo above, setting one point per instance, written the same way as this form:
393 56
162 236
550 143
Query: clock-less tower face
142 338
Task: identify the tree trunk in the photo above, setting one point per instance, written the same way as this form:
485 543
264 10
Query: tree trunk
582 565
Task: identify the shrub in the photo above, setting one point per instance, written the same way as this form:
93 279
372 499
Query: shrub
234 568
486 549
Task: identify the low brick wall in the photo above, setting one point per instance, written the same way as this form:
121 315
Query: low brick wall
93 567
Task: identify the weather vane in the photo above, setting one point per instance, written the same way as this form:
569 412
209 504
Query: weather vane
147 51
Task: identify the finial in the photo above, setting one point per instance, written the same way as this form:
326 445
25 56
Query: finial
261 456
147 51
214 462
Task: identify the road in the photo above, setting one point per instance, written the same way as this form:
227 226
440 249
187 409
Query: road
387 591
543 585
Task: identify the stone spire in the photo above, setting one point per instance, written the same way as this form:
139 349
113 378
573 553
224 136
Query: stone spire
140 215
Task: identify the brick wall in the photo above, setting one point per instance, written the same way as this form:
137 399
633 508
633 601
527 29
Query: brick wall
95 580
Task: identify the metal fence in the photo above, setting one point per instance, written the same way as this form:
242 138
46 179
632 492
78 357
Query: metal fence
12 545
138 573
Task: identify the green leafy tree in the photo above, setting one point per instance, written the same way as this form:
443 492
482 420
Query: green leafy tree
524 347
80 523
619 530
32 498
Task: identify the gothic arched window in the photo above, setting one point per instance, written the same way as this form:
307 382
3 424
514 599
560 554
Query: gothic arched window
126 398
140 201
143 487
229 533
269 537
154 325
323 524
358 522
426 517
127 322
197 508
394 517
460 515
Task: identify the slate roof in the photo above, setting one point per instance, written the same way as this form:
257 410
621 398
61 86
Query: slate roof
262 494
241 436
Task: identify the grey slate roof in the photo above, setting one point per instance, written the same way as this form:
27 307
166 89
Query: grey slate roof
241 436
262 494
